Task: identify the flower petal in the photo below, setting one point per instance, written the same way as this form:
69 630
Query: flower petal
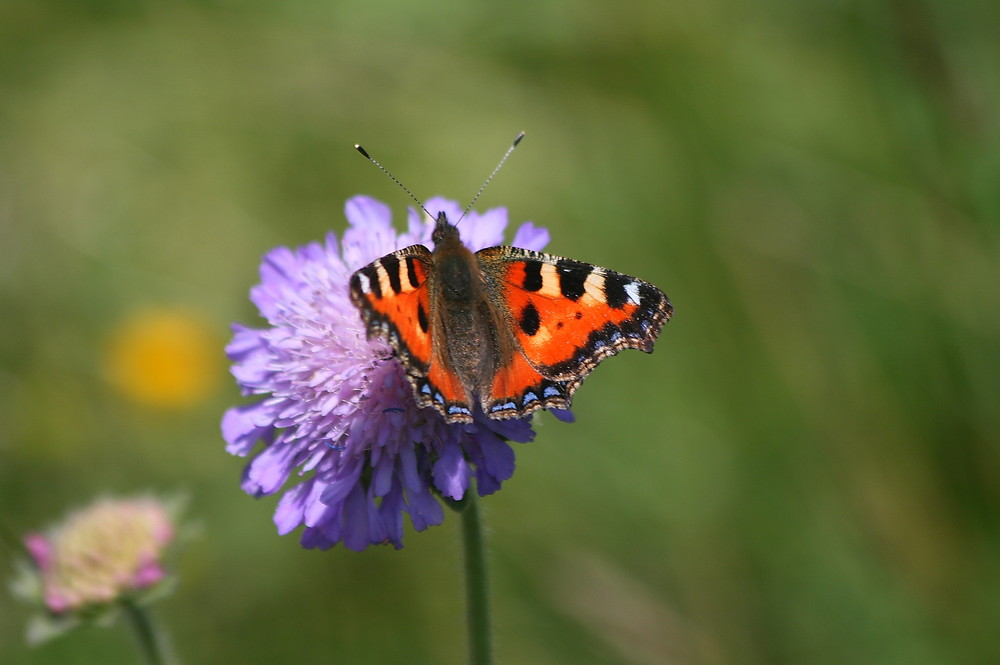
530 236
451 473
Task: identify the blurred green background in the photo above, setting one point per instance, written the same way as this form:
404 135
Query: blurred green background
807 469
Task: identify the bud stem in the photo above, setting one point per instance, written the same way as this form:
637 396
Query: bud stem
150 640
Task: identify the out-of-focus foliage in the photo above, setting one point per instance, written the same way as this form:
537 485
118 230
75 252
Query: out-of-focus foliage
806 471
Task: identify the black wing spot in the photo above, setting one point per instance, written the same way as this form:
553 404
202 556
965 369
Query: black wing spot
411 271
614 289
572 275
530 321
390 264
532 276
422 318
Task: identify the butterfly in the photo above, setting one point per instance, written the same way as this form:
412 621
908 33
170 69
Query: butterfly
506 330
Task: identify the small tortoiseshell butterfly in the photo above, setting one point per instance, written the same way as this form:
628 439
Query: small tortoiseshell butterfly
508 329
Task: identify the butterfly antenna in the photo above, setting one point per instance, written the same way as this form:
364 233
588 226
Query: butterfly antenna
384 170
517 139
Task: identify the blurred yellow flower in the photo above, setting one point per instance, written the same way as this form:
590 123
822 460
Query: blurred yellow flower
163 357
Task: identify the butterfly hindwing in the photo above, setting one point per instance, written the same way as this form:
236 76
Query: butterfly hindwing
519 389
567 316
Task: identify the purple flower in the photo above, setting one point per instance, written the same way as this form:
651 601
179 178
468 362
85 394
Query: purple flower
339 408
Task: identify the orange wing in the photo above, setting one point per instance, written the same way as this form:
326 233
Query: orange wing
519 389
393 296
566 316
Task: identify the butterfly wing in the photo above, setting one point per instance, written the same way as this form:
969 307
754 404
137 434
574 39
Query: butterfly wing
393 295
566 316
518 389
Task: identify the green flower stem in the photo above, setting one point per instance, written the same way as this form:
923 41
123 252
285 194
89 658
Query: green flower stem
476 584
151 641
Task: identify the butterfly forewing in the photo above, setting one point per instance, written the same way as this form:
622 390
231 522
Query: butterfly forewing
567 315
392 296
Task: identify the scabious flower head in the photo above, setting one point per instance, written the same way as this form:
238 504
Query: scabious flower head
338 408
109 551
